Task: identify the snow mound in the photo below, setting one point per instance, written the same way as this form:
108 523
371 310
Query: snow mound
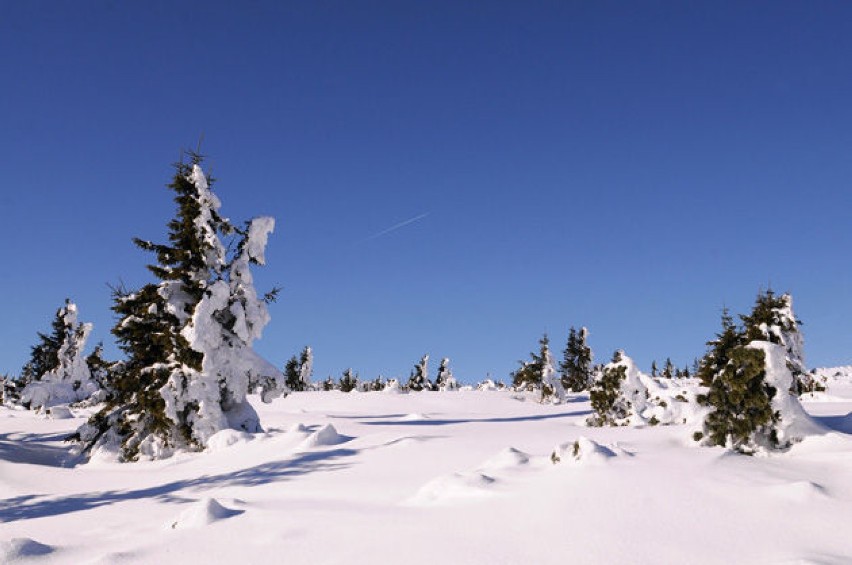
59 413
226 438
19 549
298 428
414 417
798 491
202 513
326 435
583 451
509 458
454 487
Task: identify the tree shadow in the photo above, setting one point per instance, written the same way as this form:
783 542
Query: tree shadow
27 507
454 421
35 449
841 424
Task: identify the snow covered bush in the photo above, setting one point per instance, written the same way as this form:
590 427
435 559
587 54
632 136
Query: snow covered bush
539 374
188 337
751 374
57 372
348 381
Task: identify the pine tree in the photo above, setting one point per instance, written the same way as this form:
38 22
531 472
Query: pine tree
654 369
419 379
528 376
349 381
576 365
102 371
188 337
328 384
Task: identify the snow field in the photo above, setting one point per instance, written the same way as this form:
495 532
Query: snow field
454 477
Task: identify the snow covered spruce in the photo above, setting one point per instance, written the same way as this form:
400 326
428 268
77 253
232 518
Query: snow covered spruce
188 338
57 372
754 375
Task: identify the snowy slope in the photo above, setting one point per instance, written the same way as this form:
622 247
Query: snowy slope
431 477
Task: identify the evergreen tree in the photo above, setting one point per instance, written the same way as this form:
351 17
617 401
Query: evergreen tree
607 400
741 371
101 370
576 365
349 381
328 384
291 374
529 376
445 379
187 338
654 369
668 369
419 379
57 371
306 367
551 383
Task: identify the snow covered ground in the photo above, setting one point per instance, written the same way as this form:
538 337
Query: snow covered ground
434 477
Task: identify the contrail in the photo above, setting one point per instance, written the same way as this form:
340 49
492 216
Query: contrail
395 227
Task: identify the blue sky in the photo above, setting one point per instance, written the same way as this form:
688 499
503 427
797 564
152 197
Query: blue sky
631 167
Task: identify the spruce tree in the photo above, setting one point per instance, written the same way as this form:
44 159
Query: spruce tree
551 382
740 371
187 338
605 395
529 376
445 379
291 374
668 369
419 379
306 367
576 364
57 371
349 381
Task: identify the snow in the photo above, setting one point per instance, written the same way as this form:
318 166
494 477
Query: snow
353 478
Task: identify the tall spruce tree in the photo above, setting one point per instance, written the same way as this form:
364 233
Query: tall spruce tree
187 338
576 364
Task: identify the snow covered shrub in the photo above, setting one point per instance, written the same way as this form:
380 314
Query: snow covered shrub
188 337
751 375
419 379
57 372
576 365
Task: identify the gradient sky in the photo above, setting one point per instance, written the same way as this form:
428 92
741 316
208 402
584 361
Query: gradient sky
628 166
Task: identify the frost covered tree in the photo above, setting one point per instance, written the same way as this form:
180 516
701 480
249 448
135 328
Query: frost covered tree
445 379
102 371
298 370
750 382
349 381
419 379
576 364
188 337
57 372
551 382
620 394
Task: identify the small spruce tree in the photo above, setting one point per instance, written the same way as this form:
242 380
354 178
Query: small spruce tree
349 381
419 379
576 364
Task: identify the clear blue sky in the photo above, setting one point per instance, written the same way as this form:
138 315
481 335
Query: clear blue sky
628 166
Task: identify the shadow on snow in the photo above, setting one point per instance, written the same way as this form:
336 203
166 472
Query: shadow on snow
27 507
